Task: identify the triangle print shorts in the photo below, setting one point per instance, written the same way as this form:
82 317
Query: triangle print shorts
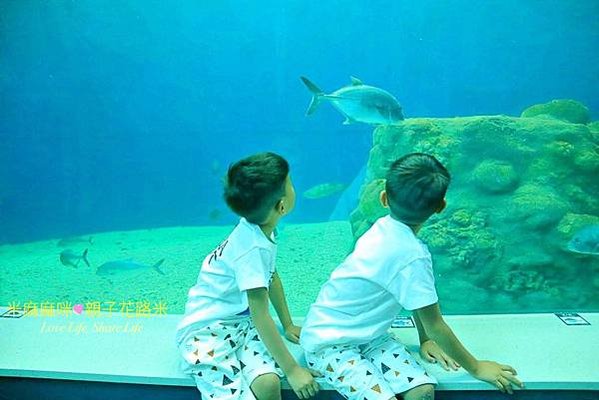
373 371
225 357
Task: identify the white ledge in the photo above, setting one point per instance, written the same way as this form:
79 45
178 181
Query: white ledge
547 354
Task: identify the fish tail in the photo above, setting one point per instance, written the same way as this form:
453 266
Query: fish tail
317 95
157 267
84 257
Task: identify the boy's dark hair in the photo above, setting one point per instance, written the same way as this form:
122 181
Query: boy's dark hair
255 184
416 186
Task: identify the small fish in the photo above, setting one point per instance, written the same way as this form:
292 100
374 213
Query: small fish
585 241
75 240
69 258
215 215
215 168
324 190
358 103
122 268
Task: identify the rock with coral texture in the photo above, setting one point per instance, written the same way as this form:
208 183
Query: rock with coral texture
565 110
536 206
520 189
495 176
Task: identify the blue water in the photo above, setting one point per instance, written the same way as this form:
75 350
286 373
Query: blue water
124 115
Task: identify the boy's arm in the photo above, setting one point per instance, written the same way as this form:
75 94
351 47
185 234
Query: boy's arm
440 332
422 336
300 379
277 298
501 376
258 302
430 351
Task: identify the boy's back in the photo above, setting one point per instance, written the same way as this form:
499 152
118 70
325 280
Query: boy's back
219 293
227 338
345 333
390 268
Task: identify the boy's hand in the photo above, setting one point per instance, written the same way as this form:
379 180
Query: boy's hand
292 333
432 353
499 375
302 382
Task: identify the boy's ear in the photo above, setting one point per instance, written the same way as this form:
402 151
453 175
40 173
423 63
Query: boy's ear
441 206
280 207
384 199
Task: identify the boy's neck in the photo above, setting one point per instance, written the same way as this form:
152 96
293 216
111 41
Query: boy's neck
414 228
268 229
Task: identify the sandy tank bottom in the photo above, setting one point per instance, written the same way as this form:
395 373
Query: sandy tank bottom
32 272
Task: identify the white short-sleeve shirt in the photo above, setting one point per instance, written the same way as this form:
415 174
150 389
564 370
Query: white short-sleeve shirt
245 260
389 269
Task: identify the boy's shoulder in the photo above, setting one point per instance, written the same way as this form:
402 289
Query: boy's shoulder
241 242
247 236
391 238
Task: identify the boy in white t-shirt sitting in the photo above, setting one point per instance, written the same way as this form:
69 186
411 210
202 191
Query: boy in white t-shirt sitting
345 333
227 337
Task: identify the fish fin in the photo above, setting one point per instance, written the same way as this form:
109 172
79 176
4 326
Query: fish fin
84 257
317 95
157 267
311 86
314 103
349 121
355 81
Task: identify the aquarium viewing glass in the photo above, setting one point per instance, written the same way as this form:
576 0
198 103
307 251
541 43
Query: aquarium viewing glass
119 121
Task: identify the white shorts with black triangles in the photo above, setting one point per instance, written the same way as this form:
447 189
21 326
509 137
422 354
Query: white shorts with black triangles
373 371
225 357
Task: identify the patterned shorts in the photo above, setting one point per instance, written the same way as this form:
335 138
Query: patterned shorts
225 357
373 371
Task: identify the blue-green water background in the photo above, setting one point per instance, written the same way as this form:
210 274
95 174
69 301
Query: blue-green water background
124 115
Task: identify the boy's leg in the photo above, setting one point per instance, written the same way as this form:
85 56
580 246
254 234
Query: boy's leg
210 358
350 373
259 368
399 368
422 392
267 387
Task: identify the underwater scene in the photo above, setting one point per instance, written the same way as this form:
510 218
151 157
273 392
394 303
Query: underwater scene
119 121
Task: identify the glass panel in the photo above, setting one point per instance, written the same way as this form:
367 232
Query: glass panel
120 120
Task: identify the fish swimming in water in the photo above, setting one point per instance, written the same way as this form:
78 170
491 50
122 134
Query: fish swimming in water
126 268
69 258
358 103
215 168
75 240
324 190
585 241
215 215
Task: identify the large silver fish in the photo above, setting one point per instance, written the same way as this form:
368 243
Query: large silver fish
358 103
74 241
324 190
585 241
126 268
69 258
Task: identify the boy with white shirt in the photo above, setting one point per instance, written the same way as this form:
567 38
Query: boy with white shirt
227 337
345 333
